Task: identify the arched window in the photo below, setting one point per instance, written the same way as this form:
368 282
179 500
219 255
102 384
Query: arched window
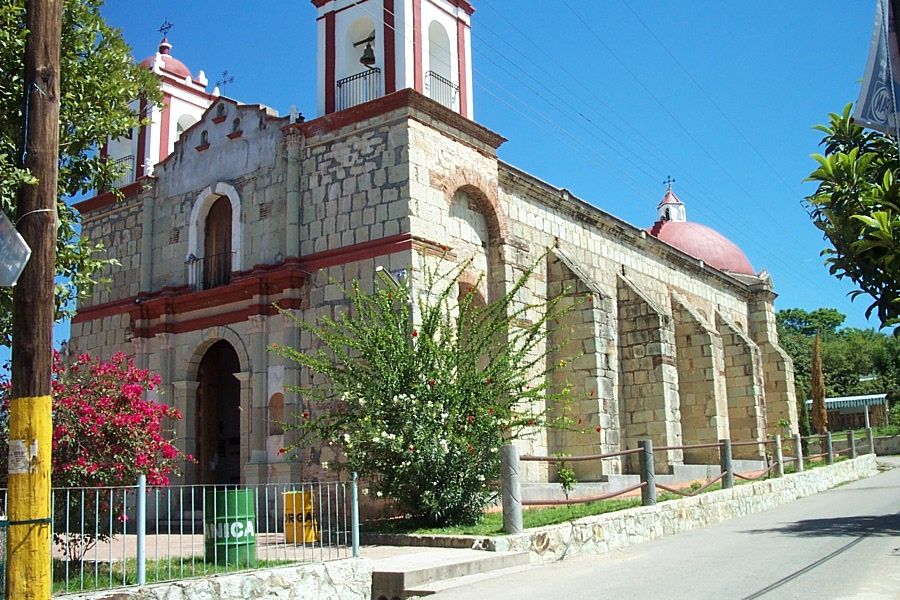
184 122
235 125
204 137
439 79
220 111
217 258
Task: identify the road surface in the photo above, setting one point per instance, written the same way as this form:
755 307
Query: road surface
842 543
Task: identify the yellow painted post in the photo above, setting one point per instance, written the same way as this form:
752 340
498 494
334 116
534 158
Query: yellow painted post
28 542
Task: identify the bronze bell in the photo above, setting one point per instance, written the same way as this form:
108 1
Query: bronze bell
368 57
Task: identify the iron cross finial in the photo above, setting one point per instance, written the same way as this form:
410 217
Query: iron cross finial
165 27
668 183
225 80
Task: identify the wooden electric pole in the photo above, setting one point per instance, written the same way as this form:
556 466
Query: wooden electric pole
30 428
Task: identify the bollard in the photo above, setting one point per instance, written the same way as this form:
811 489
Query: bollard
798 443
648 473
354 513
511 490
852 441
779 457
141 529
829 449
871 435
727 465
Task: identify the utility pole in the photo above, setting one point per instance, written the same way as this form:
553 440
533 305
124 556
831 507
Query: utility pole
30 427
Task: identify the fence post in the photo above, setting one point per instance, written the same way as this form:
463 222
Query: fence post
142 529
779 456
852 440
798 443
354 513
511 490
829 449
648 473
871 435
726 464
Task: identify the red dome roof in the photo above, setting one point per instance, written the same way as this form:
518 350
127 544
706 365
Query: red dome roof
170 64
704 243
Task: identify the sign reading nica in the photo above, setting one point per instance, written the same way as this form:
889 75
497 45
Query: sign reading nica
233 530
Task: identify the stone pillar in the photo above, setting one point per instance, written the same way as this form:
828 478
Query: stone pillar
701 383
778 369
257 413
582 356
141 349
250 473
147 257
648 376
292 196
744 381
184 398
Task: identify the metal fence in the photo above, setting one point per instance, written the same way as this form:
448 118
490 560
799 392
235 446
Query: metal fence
441 89
126 163
358 88
110 537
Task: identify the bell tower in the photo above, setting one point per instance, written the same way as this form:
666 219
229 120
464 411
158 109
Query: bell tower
370 48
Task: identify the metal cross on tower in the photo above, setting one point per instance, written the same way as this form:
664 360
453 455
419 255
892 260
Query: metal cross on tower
165 27
225 80
668 183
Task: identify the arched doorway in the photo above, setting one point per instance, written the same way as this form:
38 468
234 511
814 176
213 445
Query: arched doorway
218 416
217 244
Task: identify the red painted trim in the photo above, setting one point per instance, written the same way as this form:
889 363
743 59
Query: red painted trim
106 198
104 150
201 147
218 120
405 98
262 280
461 55
235 134
185 87
463 5
141 141
418 76
330 58
390 49
164 127
320 3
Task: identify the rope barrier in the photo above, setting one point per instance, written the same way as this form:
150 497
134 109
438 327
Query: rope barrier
695 492
554 459
753 443
689 447
583 499
760 476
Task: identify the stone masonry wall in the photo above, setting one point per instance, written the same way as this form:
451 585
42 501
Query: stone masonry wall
618 530
701 383
349 579
648 377
744 380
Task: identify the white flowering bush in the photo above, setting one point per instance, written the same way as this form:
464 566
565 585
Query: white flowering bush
421 408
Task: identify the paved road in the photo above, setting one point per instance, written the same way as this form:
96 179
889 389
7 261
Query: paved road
843 543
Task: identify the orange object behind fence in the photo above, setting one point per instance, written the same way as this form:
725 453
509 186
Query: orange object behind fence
299 523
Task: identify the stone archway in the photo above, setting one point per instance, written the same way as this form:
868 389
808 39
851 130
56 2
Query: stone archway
218 417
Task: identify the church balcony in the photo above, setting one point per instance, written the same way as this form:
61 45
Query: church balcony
127 177
440 89
359 88
210 271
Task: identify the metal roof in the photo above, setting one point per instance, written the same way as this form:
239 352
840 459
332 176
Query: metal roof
854 401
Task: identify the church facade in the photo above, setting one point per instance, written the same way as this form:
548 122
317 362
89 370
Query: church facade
231 208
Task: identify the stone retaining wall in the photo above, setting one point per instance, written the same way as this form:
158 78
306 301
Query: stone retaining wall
349 579
617 530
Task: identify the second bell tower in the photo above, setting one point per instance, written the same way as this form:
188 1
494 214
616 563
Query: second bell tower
370 48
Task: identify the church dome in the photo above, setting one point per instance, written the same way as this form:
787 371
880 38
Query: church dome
166 61
698 240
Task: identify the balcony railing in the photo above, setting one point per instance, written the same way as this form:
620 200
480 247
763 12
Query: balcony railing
210 271
441 89
358 88
126 163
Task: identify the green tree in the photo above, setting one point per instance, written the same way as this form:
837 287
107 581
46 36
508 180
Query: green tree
856 207
420 406
99 80
817 390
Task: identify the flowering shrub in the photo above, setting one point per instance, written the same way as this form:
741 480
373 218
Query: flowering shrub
104 432
421 407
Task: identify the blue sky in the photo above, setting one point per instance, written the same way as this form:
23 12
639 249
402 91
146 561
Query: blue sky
607 99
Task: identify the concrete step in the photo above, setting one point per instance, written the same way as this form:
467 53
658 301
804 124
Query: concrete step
393 578
449 584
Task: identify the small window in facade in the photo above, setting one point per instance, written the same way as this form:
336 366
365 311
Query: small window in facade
235 125
220 110
204 137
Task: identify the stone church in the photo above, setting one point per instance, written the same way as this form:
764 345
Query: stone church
229 208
